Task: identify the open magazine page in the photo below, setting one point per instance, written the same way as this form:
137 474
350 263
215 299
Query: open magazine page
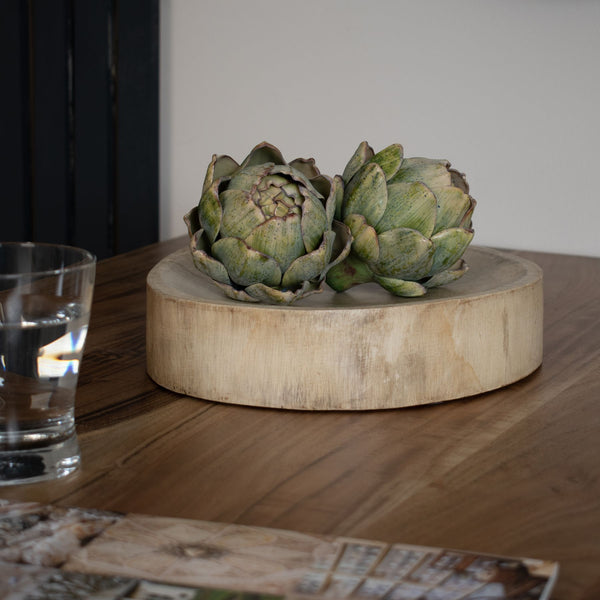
51 552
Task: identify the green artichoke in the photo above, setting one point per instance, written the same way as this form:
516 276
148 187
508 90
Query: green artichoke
410 219
264 230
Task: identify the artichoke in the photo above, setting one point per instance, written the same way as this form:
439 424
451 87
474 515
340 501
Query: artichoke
264 230
410 219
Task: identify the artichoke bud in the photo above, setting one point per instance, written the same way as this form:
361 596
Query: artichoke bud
410 219
264 229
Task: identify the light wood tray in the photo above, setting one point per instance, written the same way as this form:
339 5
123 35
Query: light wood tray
360 349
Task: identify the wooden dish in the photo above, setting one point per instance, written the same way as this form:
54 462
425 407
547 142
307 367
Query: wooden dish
360 349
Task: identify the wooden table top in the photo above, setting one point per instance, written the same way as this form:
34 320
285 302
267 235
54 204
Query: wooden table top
514 471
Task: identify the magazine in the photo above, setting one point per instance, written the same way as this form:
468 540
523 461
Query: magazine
52 552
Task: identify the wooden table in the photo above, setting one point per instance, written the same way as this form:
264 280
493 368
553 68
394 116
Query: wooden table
515 471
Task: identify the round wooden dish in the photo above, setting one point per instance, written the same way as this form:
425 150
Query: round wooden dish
360 349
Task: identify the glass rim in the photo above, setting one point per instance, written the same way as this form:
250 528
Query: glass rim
87 259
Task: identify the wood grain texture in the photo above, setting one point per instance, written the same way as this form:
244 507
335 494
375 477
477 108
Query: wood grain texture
363 349
513 471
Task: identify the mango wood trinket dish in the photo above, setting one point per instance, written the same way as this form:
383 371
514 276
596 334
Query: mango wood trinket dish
356 350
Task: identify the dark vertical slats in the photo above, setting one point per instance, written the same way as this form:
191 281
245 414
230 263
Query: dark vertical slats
79 114
15 158
51 184
136 219
93 141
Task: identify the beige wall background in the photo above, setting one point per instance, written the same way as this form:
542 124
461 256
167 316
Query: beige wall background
508 91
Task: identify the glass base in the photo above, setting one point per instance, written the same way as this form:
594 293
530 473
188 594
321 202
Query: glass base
39 464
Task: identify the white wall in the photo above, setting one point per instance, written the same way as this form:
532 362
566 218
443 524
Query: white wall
509 92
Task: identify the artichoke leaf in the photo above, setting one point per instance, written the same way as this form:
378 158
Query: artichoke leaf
245 265
279 238
311 266
342 243
313 223
240 214
389 159
235 293
206 263
198 241
347 273
220 166
332 192
262 293
322 183
192 221
298 177
210 212
431 171
333 204
248 179
459 180
449 246
466 220
447 276
361 156
453 206
366 194
366 242
263 153
411 205
404 254
400 287
306 166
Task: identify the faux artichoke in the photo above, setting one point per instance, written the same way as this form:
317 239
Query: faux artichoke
264 229
410 219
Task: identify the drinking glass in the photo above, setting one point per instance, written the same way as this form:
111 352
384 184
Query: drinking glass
45 299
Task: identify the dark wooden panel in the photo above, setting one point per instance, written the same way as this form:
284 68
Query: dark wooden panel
93 135
52 185
79 114
15 159
136 218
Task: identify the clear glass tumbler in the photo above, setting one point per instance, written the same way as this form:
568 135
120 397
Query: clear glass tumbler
45 299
